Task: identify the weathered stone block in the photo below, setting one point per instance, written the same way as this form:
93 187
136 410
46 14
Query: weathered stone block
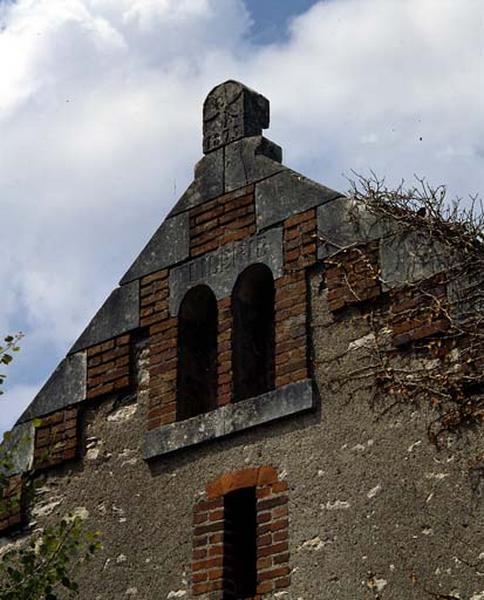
466 296
343 222
219 269
19 448
250 160
408 257
232 111
169 245
207 184
288 193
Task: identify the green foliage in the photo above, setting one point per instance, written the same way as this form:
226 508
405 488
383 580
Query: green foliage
43 565
10 344
43 568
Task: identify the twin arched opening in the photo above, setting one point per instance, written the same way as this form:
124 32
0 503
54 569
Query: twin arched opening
252 342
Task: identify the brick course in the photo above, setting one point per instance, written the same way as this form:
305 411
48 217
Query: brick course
11 505
300 239
419 311
352 276
291 329
108 367
57 438
224 350
228 218
154 292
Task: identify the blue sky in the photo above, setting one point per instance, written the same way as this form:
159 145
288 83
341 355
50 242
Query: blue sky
271 18
100 106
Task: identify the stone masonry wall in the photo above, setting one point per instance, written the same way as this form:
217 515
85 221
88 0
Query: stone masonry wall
375 511
374 508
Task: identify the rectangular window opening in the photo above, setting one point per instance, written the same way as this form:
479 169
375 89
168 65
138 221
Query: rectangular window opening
240 547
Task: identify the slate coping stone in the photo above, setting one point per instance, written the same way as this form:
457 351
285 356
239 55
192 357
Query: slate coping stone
66 386
169 245
119 314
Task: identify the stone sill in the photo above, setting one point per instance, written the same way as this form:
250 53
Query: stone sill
283 402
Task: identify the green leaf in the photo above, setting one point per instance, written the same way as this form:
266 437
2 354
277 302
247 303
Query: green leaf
6 359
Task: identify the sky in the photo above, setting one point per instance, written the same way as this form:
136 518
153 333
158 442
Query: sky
100 126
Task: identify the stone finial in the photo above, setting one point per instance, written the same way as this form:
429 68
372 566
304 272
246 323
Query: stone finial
232 111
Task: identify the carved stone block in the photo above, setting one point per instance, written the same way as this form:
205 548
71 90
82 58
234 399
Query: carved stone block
231 112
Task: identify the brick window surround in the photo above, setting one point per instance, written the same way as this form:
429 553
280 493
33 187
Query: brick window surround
209 539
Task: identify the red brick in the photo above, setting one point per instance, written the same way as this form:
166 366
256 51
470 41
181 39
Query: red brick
273 549
265 587
283 582
207 564
273 573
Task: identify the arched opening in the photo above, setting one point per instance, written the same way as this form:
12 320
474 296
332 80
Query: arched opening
253 332
197 353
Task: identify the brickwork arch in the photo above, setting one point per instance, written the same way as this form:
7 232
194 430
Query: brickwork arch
211 568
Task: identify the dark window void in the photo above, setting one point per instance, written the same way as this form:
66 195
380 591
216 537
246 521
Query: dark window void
253 332
197 353
240 556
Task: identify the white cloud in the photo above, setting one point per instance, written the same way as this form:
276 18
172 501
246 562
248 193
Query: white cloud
100 105
13 404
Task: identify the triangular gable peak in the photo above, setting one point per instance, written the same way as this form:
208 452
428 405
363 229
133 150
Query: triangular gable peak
242 207
267 300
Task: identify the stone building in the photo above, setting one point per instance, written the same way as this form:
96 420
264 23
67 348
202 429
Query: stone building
222 418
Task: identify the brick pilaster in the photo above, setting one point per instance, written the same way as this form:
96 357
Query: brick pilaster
291 329
163 348
300 232
224 341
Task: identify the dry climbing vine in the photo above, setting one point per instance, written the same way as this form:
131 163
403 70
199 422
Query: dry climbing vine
443 363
